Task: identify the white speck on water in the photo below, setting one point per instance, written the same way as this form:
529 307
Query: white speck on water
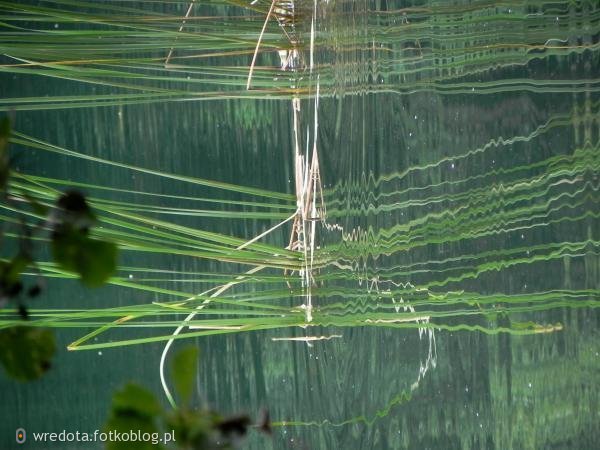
522 236
130 276
415 117
56 25
529 384
452 166
99 353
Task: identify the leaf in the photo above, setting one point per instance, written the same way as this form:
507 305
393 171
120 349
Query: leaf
134 410
99 262
235 425
94 260
74 211
26 352
37 207
17 265
184 371
10 275
10 284
193 429
131 426
136 400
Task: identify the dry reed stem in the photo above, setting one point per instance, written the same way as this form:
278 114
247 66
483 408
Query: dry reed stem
262 32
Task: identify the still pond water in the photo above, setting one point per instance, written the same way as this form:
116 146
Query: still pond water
459 256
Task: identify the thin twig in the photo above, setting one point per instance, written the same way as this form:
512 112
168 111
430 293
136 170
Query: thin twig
187 14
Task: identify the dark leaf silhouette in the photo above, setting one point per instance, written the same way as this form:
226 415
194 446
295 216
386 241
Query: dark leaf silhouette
74 212
235 425
94 260
26 352
133 408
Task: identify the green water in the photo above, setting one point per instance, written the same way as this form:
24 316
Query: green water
459 152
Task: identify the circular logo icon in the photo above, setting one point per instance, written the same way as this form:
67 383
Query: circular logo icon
20 435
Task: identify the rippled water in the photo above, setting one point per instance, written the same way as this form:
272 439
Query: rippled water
458 264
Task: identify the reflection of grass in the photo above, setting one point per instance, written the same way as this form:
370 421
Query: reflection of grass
257 297
143 55
168 52
225 309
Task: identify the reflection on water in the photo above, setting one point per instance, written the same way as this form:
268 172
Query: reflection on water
458 265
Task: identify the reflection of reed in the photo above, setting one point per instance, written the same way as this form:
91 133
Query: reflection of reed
192 51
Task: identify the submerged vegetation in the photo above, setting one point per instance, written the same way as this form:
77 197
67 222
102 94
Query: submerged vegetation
432 247
135 408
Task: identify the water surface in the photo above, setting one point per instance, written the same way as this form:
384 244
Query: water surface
459 154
